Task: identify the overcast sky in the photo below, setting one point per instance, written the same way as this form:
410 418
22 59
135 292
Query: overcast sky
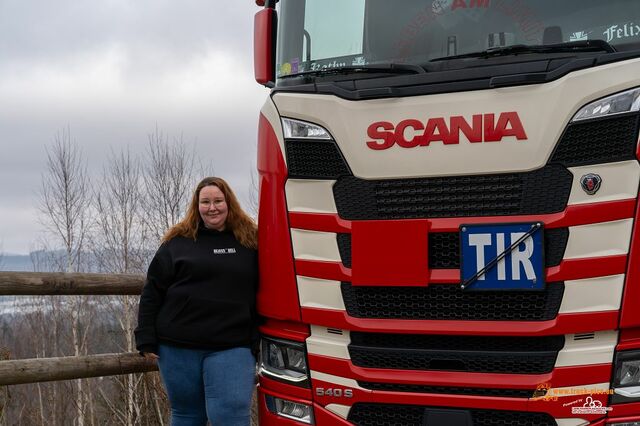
111 70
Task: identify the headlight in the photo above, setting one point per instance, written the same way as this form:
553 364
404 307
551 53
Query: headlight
296 129
628 101
626 381
290 409
629 373
284 360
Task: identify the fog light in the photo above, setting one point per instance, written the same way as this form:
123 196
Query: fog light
294 410
284 360
290 409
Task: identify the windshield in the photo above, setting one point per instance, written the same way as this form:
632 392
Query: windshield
318 35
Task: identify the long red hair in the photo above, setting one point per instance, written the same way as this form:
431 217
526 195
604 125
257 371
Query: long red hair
243 227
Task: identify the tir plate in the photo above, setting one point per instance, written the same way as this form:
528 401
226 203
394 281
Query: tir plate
521 268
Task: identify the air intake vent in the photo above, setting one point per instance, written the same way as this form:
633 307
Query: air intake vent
480 354
308 159
494 392
584 336
538 192
449 302
367 414
334 331
598 141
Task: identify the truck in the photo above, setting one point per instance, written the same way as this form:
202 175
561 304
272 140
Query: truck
449 225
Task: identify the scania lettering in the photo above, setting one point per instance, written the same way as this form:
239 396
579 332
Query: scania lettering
449 225
482 129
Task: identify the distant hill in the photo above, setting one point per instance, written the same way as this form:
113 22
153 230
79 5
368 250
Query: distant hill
16 262
36 261
43 261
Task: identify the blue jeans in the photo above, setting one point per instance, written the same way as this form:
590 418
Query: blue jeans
202 384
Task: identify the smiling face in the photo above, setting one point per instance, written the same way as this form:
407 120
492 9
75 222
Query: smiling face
212 206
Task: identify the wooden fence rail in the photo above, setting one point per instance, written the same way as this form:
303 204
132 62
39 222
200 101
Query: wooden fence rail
14 372
58 283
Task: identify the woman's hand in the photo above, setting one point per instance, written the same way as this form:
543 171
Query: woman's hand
150 355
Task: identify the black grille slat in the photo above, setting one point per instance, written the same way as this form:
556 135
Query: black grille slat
458 343
315 160
472 362
599 141
541 191
371 414
485 354
444 248
450 390
449 302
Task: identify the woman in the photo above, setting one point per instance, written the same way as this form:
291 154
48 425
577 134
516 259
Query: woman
197 311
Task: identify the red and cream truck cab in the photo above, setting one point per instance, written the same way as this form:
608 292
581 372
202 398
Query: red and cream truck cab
448 215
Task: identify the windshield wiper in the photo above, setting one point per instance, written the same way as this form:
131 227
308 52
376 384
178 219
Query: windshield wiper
516 49
393 68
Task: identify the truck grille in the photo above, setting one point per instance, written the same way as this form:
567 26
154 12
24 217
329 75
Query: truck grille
598 141
365 414
541 191
449 302
451 390
314 160
444 248
478 354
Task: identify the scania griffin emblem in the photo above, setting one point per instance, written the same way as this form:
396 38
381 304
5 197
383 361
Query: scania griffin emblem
590 183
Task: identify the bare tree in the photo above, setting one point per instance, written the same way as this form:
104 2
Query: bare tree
65 207
118 243
169 176
65 196
119 246
42 259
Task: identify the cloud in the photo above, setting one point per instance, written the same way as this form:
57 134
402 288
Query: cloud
52 29
112 71
23 222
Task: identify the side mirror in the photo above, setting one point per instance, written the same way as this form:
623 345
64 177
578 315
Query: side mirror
263 60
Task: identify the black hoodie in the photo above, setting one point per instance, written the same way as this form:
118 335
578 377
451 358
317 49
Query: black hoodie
199 294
